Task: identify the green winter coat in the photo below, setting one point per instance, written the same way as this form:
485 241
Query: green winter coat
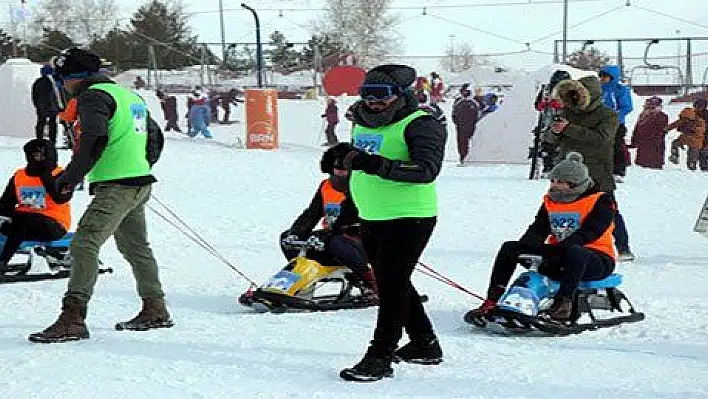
591 129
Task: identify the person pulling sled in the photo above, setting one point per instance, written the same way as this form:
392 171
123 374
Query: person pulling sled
572 235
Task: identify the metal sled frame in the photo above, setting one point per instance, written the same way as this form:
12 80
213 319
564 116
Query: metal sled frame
587 300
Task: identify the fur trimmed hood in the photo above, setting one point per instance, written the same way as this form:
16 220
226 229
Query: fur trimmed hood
584 94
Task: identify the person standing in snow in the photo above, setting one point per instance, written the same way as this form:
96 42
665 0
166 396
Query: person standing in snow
617 97
465 114
692 129
649 134
199 116
701 105
169 110
119 144
437 88
545 99
396 157
46 104
587 126
331 116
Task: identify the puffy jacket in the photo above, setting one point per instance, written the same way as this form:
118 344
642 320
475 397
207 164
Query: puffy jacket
615 95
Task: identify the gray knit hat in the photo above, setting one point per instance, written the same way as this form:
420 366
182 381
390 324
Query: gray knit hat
571 170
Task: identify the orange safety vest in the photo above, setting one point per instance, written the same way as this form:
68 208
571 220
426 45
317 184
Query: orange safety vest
331 203
567 218
32 197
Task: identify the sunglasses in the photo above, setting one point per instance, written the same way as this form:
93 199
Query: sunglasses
378 92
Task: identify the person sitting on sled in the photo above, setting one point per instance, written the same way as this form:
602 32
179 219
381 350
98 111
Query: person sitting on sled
333 205
31 205
573 233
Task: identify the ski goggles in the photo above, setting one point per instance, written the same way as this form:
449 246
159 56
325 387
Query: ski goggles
378 92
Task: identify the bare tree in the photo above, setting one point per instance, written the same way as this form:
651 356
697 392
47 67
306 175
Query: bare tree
460 58
592 59
82 20
366 27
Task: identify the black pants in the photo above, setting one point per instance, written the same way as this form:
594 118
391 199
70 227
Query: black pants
620 162
394 247
567 265
548 154
620 233
172 124
340 249
44 120
28 226
330 134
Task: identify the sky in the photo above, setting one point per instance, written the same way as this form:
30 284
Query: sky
489 26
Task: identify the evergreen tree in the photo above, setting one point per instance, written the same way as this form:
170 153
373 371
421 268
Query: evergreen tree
51 43
282 55
330 50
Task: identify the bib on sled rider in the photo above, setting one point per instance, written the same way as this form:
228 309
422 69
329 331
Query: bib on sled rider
572 231
340 231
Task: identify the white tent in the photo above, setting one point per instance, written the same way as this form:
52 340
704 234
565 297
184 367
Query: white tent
17 113
505 135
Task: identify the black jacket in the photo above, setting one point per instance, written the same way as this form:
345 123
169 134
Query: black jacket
95 109
43 96
592 228
425 138
347 221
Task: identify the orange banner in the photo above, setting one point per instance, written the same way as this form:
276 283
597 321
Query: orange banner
262 119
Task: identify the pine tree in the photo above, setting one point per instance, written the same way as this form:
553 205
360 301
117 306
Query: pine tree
282 56
51 43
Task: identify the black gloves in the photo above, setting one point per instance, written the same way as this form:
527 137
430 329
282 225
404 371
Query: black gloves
352 158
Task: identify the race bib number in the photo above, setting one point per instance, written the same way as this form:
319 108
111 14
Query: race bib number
139 114
33 197
369 143
331 213
282 281
564 224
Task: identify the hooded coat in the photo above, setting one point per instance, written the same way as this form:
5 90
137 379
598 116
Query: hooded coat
615 95
590 131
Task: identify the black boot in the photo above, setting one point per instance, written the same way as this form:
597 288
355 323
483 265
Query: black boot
373 367
425 350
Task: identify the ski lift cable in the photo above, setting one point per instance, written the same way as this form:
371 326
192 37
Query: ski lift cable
593 18
667 15
486 32
525 3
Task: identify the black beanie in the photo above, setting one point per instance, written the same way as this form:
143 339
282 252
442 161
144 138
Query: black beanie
392 74
44 147
76 61
557 77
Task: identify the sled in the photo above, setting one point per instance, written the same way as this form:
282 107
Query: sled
701 225
45 261
306 285
521 309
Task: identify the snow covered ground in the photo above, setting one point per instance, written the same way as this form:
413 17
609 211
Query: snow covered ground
241 200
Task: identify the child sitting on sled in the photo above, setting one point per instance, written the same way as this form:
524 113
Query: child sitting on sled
572 231
32 207
333 206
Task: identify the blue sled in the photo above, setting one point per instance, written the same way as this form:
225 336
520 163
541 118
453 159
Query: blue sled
520 309
62 243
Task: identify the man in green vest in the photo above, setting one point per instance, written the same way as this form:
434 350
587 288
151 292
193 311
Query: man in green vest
117 148
396 156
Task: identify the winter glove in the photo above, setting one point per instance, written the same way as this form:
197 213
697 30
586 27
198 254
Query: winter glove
360 160
4 219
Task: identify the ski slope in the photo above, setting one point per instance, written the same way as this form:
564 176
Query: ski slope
241 200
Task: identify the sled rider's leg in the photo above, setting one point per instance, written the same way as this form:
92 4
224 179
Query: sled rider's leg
131 241
582 264
100 220
401 243
505 265
348 252
28 226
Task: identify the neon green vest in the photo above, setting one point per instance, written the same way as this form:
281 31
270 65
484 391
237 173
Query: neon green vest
125 153
381 199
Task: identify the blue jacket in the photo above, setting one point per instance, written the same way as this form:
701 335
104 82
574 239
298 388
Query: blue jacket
615 95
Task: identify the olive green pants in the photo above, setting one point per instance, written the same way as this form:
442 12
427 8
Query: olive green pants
117 211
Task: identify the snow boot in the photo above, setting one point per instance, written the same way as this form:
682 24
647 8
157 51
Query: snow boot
369 290
425 350
625 256
561 309
373 367
153 315
70 325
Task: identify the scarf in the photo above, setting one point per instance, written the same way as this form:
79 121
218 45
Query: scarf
570 195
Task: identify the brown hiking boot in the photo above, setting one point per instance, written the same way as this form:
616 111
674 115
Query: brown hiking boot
69 326
153 315
561 309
